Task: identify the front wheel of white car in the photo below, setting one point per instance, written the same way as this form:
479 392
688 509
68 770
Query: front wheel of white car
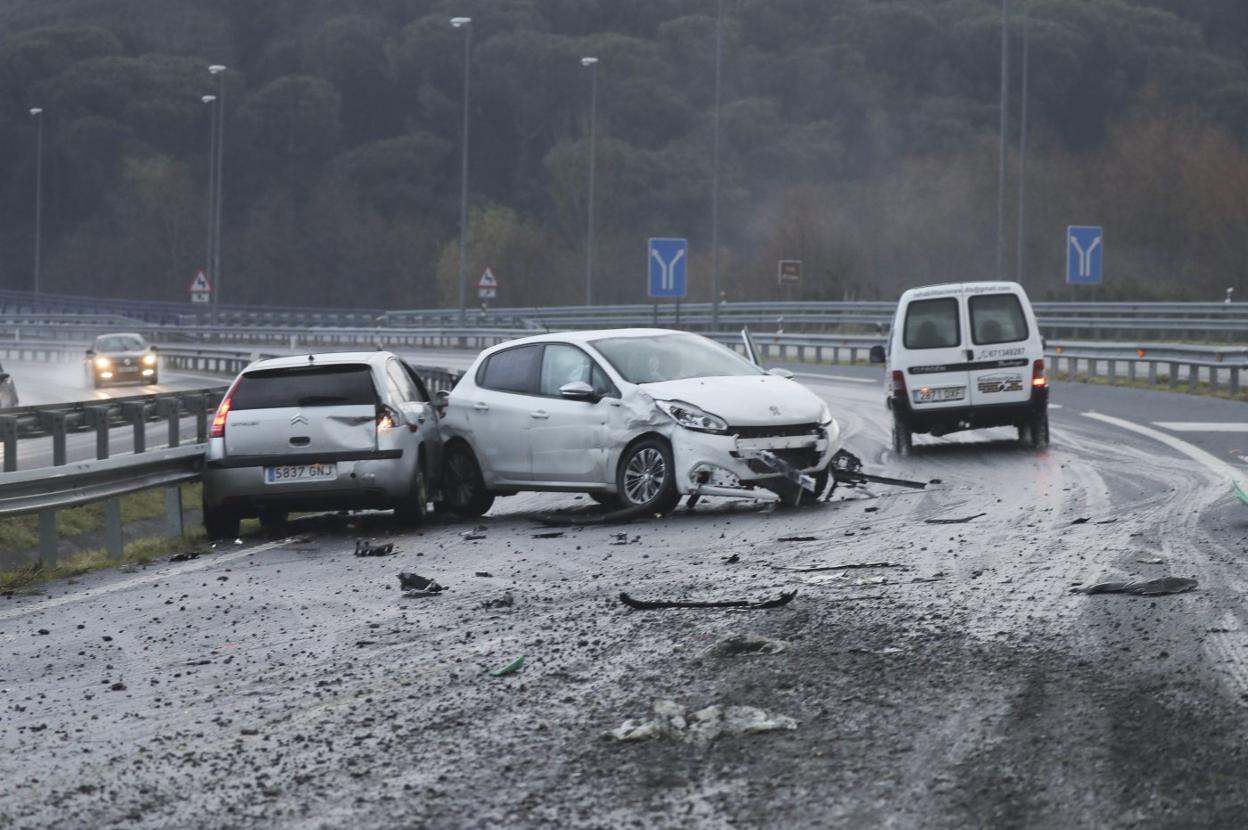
646 478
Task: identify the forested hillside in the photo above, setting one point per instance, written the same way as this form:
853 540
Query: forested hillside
858 136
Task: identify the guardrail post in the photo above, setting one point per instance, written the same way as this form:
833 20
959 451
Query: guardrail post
853 354
97 417
198 404
171 410
113 541
54 422
1193 375
173 512
8 436
47 538
1113 371
1174 376
1131 370
1152 372
136 413
1213 378
1234 372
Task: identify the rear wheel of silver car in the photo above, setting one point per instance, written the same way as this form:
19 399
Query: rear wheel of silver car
220 523
903 438
413 509
463 486
273 521
647 477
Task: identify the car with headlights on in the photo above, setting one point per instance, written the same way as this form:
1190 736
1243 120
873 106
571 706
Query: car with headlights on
635 418
340 431
122 358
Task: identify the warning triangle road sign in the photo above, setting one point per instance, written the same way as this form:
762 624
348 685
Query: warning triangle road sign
487 280
200 284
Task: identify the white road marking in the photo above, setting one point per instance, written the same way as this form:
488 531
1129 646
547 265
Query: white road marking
207 561
845 378
1055 406
1210 462
1202 426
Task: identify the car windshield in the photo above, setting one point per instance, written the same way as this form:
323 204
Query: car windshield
671 357
120 343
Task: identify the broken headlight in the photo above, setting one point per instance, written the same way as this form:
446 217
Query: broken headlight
825 416
691 417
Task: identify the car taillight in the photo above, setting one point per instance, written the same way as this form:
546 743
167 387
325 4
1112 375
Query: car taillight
218 420
1038 377
899 384
387 418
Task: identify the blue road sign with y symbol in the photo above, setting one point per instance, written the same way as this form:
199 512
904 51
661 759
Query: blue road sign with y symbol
1084 254
669 267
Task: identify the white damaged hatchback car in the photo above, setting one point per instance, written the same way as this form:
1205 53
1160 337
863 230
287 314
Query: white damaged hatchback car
636 418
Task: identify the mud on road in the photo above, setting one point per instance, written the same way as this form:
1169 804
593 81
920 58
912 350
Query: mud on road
961 685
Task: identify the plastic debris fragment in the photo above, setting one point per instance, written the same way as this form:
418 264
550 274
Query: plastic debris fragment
651 605
1147 588
509 668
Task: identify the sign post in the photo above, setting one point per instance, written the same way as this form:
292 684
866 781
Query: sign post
200 288
788 275
487 288
668 271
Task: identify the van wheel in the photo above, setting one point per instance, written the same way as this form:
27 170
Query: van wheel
646 477
1034 432
903 438
463 487
413 509
220 523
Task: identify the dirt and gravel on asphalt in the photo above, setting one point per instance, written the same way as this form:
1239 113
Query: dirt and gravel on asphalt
953 681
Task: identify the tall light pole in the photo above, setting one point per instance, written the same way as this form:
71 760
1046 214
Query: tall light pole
1004 129
592 63
464 23
219 72
719 43
209 100
1020 254
37 112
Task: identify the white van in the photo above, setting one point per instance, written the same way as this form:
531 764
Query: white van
965 356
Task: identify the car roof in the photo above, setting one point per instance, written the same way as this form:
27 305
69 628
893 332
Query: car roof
583 337
120 334
321 359
956 288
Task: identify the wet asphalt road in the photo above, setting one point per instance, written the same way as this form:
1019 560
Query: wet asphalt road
290 684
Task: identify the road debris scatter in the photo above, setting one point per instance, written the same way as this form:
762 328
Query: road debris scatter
184 557
651 605
851 566
365 547
474 535
1148 588
740 644
674 721
960 521
418 586
509 668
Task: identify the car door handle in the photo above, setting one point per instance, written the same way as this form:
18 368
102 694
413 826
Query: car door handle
539 414
970 355
481 406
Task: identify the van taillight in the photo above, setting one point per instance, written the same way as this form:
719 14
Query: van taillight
899 384
1038 378
218 420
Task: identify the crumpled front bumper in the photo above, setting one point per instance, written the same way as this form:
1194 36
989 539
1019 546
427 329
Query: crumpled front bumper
727 465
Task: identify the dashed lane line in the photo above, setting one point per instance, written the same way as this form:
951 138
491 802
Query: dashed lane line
203 563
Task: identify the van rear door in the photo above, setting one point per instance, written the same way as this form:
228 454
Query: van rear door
303 410
1000 337
931 355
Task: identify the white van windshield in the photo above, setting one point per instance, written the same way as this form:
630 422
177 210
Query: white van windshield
997 318
932 324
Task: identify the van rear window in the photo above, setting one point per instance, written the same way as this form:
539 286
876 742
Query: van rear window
932 324
349 384
997 318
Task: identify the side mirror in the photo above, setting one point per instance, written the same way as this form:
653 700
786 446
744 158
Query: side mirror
877 354
90 352
152 349
781 373
578 390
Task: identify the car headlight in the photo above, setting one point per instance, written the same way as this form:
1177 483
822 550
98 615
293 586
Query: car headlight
825 416
103 363
149 360
691 417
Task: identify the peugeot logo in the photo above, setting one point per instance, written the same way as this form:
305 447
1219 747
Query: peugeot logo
300 418
775 410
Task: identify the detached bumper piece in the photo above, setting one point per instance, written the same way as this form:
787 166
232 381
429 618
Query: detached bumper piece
846 468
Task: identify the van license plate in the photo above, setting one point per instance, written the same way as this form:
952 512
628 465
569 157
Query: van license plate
288 473
945 393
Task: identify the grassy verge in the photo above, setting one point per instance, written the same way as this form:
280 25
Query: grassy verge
1162 385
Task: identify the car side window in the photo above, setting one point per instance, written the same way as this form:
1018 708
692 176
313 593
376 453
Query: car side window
563 364
421 390
514 370
932 324
400 384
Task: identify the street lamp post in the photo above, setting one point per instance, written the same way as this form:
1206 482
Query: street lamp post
719 42
592 63
209 100
37 112
464 23
219 72
1021 253
1004 130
